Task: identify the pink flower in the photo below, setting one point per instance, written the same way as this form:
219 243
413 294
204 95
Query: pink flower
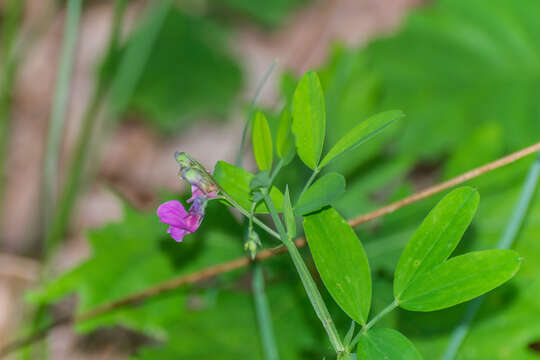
179 220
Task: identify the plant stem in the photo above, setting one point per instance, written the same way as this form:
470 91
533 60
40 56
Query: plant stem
309 284
250 114
264 317
275 172
380 315
373 321
506 242
310 180
59 108
248 215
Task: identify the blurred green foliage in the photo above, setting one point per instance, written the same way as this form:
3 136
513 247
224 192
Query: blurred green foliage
467 75
189 72
265 12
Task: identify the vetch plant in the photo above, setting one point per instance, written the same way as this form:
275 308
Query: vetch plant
426 278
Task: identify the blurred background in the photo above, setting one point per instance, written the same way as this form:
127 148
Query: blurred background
96 96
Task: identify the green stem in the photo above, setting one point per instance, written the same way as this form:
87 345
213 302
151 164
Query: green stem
310 180
380 315
248 215
250 114
264 317
506 242
276 172
373 321
309 284
59 108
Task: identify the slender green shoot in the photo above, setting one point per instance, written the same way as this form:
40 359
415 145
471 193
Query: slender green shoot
264 318
8 64
82 148
59 108
251 109
309 284
309 182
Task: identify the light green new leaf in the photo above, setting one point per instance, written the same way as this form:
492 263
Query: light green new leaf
262 142
460 279
309 119
285 139
341 261
437 237
236 181
325 190
288 214
362 133
386 344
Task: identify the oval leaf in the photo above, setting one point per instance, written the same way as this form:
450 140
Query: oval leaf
460 279
285 139
341 261
386 344
437 237
288 214
362 133
236 181
262 142
325 190
309 119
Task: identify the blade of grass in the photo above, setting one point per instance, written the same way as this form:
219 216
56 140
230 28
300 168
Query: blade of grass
135 59
10 32
507 240
129 75
59 108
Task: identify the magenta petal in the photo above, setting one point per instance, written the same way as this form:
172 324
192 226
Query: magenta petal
172 213
192 222
177 233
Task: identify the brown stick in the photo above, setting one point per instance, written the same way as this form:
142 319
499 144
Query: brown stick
262 255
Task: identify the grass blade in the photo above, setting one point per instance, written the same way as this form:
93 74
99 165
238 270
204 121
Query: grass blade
59 108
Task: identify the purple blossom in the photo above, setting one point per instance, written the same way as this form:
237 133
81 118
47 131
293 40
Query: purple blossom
179 220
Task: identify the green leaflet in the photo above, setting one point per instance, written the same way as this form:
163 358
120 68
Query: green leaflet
437 237
236 182
309 119
288 214
285 140
325 190
387 344
341 262
362 133
262 142
460 279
